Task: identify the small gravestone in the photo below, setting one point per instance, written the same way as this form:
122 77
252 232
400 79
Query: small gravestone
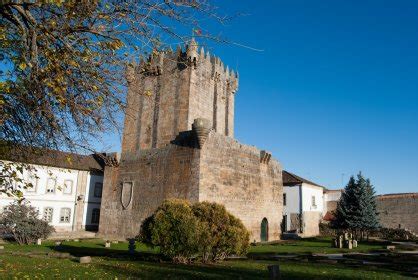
350 244
355 244
85 259
58 244
39 241
345 235
76 240
274 271
131 246
390 247
1 247
115 242
107 244
340 242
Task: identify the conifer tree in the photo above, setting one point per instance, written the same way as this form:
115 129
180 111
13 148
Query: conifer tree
356 210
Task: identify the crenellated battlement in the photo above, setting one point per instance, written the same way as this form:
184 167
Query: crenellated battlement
192 57
169 89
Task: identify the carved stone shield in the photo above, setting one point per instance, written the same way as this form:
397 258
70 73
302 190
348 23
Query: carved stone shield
126 194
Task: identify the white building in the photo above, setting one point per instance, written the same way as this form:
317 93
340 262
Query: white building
66 190
302 205
331 198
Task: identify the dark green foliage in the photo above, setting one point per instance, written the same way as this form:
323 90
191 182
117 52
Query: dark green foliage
22 222
356 210
173 228
203 230
222 233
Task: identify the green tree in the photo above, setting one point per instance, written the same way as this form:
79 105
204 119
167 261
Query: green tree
63 85
22 221
356 210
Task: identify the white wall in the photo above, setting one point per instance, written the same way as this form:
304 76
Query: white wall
91 201
307 192
333 195
293 204
41 199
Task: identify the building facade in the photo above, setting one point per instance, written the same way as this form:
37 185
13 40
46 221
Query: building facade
178 143
303 205
66 189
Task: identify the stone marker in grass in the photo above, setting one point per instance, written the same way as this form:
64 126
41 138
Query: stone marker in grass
355 244
85 259
1 247
131 246
39 241
390 247
274 271
107 244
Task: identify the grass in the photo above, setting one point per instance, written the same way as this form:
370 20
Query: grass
313 245
32 262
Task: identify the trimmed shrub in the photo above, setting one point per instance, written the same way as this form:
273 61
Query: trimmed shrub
222 233
173 228
21 221
203 230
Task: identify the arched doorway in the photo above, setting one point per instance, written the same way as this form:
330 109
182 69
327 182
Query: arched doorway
264 235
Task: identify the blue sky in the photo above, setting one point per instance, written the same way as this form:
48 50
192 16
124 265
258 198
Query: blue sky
335 90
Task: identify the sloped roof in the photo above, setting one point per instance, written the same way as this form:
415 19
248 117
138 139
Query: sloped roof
290 179
53 158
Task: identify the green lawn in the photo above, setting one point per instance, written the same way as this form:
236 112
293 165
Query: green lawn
313 245
32 262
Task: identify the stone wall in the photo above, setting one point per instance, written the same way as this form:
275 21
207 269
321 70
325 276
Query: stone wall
156 175
294 222
311 221
398 211
232 174
223 171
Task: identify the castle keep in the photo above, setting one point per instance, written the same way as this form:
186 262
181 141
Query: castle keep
178 142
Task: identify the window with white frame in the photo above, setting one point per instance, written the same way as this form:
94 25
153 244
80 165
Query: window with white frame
48 214
68 186
95 216
33 183
50 185
313 201
98 187
65 215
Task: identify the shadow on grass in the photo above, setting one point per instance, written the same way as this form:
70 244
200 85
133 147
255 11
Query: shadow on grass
149 270
79 251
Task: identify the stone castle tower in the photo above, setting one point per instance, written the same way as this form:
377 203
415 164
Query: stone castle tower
172 89
178 143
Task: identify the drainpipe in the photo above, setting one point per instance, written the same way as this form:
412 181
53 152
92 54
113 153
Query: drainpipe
301 208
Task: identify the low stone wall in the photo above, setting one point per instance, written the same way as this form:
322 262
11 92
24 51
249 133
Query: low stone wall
398 211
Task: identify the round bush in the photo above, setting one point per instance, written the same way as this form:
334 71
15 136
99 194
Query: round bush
173 228
21 221
203 230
